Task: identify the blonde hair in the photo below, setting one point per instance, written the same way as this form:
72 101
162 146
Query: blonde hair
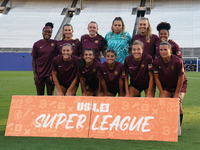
135 43
149 30
68 25
139 43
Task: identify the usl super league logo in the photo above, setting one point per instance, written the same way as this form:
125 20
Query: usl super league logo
88 106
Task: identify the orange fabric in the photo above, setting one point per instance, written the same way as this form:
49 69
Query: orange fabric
111 117
135 118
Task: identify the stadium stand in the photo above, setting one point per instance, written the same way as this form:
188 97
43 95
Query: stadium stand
21 27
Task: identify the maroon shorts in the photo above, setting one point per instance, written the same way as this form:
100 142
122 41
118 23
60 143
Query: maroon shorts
68 85
184 87
115 91
44 80
172 90
138 88
91 88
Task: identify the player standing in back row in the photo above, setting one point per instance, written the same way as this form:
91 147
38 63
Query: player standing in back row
43 53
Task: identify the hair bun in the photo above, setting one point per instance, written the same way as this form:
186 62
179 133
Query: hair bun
49 24
163 25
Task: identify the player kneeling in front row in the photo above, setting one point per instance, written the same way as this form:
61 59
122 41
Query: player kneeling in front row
139 67
87 71
169 73
111 74
64 71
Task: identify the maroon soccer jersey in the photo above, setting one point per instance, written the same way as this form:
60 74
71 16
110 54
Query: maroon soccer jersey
111 76
90 74
175 48
75 46
44 51
149 48
96 43
139 70
66 71
168 72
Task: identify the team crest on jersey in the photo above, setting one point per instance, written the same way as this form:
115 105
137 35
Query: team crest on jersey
52 44
178 53
142 66
116 73
150 66
94 70
172 67
87 87
73 44
123 73
96 41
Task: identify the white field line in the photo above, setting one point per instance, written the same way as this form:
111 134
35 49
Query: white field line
192 77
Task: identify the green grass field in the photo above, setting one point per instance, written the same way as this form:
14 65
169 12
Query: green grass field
21 83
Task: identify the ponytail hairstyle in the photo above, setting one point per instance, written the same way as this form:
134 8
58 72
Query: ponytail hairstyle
149 30
69 25
123 26
163 26
112 51
82 62
102 38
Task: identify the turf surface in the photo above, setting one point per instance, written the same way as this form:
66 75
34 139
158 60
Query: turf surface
21 83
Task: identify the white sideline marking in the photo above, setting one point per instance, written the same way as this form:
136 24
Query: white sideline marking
192 77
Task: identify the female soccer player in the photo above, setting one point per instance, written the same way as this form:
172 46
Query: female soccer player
93 41
168 72
87 72
139 67
64 70
163 29
118 39
146 37
43 53
111 73
67 38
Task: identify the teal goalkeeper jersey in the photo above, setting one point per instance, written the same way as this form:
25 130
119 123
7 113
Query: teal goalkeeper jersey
119 43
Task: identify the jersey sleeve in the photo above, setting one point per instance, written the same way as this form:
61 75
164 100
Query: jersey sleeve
54 65
80 47
156 39
34 50
103 45
100 72
106 39
150 63
180 68
178 51
56 48
155 66
126 66
128 38
122 72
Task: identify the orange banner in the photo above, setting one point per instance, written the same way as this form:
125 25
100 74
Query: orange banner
48 116
135 118
109 117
